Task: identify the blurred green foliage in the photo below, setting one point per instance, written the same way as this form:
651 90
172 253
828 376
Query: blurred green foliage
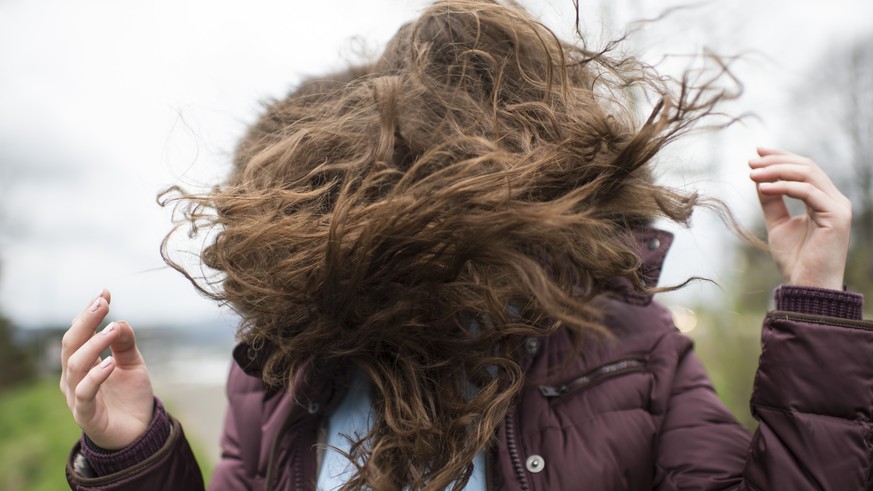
15 364
37 435
38 432
728 344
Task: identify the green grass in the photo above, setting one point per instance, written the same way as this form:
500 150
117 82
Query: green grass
36 435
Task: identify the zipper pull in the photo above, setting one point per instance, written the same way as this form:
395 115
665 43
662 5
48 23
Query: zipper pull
549 391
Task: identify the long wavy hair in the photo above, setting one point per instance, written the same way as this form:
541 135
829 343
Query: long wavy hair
417 216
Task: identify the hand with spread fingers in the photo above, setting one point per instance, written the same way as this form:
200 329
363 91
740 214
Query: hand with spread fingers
811 248
111 399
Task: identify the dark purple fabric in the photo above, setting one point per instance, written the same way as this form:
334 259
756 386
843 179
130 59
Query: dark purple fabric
819 301
813 397
104 462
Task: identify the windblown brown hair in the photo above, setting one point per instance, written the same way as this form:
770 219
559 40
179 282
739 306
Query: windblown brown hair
417 216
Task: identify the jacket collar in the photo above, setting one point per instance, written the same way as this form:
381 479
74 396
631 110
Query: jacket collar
249 359
651 246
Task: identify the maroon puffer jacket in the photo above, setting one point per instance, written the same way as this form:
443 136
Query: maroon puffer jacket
636 413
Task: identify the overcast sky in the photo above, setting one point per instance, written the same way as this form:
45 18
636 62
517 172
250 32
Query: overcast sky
105 103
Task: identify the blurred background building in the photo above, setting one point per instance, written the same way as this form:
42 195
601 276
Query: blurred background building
104 104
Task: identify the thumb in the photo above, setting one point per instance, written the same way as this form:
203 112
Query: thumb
124 348
774 208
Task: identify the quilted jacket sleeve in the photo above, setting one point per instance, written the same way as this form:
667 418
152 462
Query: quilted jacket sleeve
813 398
171 466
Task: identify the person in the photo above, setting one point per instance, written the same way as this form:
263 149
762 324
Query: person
444 266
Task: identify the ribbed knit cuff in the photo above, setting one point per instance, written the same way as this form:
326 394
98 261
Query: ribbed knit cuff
819 301
105 462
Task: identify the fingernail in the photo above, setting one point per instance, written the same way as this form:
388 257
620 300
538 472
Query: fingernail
100 293
105 363
95 305
108 329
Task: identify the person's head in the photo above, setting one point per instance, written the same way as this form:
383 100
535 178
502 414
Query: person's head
420 214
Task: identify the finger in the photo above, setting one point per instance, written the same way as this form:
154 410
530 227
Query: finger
795 172
813 197
123 346
773 206
88 355
83 327
103 293
782 158
763 151
798 168
86 390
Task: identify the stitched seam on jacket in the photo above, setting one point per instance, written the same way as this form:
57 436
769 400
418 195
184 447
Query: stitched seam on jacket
694 387
586 420
838 419
862 325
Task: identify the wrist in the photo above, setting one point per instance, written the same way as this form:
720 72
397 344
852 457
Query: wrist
834 282
106 461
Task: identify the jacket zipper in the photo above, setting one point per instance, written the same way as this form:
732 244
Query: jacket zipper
512 448
594 377
298 468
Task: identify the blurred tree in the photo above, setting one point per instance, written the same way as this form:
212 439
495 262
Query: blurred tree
831 120
835 128
15 364
856 81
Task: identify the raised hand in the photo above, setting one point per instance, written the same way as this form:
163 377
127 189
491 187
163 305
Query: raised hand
111 399
810 248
